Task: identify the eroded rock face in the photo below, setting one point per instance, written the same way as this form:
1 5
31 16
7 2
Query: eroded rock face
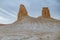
22 12
28 28
45 12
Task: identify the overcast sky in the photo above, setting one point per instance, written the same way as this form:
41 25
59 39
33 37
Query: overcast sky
9 8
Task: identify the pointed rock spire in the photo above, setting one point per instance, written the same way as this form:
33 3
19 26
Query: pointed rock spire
45 12
22 12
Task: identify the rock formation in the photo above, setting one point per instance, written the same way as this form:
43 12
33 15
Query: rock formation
22 12
28 28
45 12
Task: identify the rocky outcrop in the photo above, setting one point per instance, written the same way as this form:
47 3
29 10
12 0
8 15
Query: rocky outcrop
22 12
45 12
28 28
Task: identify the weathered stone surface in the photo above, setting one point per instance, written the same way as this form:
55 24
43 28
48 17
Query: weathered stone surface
22 12
45 12
41 28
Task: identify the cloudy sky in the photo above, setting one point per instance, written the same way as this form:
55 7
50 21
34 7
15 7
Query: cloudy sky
9 9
